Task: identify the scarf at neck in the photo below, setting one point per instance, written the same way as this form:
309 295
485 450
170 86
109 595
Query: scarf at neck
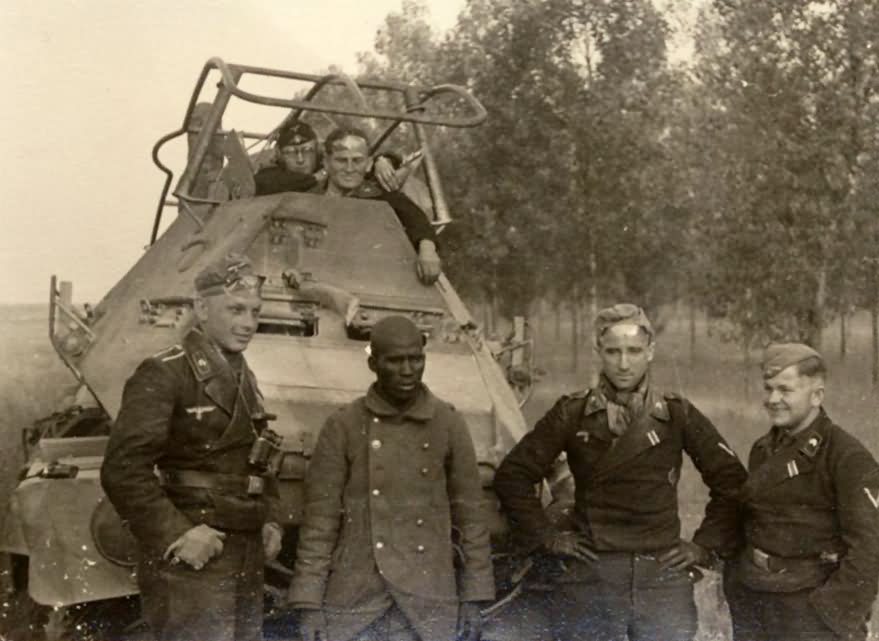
623 408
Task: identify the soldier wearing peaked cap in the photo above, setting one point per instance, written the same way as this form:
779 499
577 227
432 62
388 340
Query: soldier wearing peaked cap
205 523
628 574
811 561
392 475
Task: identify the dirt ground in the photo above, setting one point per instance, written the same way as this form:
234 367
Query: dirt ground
712 377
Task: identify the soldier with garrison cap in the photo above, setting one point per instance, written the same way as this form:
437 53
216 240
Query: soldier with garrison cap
392 476
188 468
627 573
810 566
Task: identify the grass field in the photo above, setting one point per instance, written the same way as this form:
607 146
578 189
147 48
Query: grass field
35 383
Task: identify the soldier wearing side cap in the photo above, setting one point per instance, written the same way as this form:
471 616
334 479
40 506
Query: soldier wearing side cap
810 566
205 520
392 475
627 574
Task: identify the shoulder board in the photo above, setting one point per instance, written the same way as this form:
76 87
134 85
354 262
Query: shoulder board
170 353
368 189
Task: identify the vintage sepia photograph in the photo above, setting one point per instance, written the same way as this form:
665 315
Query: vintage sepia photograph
439 320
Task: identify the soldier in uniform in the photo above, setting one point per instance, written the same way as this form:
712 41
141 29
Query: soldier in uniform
811 563
626 571
204 521
347 165
392 475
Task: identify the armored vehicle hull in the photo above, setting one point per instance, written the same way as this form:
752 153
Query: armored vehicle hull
333 267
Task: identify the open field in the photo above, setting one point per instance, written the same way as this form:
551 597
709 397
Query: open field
35 382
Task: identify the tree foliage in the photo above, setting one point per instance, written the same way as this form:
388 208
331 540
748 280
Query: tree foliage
744 182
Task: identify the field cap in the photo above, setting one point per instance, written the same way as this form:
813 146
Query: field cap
779 356
229 274
622 314
394 332
296 133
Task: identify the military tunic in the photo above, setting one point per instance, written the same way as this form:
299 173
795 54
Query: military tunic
626 505
184 410
812 530
384 491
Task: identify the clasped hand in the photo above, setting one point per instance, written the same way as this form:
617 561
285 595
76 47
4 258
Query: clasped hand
684 555
196 546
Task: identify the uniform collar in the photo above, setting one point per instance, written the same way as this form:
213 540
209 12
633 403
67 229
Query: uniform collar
205 358
422 409
654 402
780 437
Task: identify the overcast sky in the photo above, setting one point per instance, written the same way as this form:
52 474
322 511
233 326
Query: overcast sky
90 85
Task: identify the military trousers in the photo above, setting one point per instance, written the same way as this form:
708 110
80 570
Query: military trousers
221 602
390 626
774 616
623 596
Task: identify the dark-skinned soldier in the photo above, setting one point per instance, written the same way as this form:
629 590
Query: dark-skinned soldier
392 474
811 563
628 574
204 523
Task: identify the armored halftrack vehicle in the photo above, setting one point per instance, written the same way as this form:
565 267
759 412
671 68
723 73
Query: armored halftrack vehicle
70 553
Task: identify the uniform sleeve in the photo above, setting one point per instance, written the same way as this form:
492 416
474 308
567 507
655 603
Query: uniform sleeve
137 441
846 598
324 488
476 579
527 464
414 220
724 475
274 180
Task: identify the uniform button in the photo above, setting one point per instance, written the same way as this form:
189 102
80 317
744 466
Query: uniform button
376 492
424 471
425 446
375 419
379 545
376 444
420 548
419 522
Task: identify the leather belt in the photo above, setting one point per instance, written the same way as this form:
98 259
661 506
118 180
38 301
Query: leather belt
772 563
230 483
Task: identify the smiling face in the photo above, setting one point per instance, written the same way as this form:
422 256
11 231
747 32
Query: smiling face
347 163
398 371
790 398
625 351
230 319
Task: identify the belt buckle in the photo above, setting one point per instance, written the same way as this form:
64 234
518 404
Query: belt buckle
761 559
255 485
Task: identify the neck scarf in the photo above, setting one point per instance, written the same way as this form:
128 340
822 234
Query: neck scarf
623 408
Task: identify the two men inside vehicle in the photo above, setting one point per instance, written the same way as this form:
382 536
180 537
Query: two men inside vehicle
348 170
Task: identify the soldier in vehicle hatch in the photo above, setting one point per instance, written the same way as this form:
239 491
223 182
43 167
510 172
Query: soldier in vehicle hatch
392 475
206 522
347 165
298 164
627 573
811 563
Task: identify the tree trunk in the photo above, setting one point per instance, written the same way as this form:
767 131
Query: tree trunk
746 365
874 331
817 320
843 327
575 333
557 311
692 314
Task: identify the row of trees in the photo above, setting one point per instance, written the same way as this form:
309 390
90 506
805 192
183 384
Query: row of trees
744 182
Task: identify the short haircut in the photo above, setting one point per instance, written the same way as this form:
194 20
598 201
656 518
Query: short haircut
813 367
641 330
339 134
